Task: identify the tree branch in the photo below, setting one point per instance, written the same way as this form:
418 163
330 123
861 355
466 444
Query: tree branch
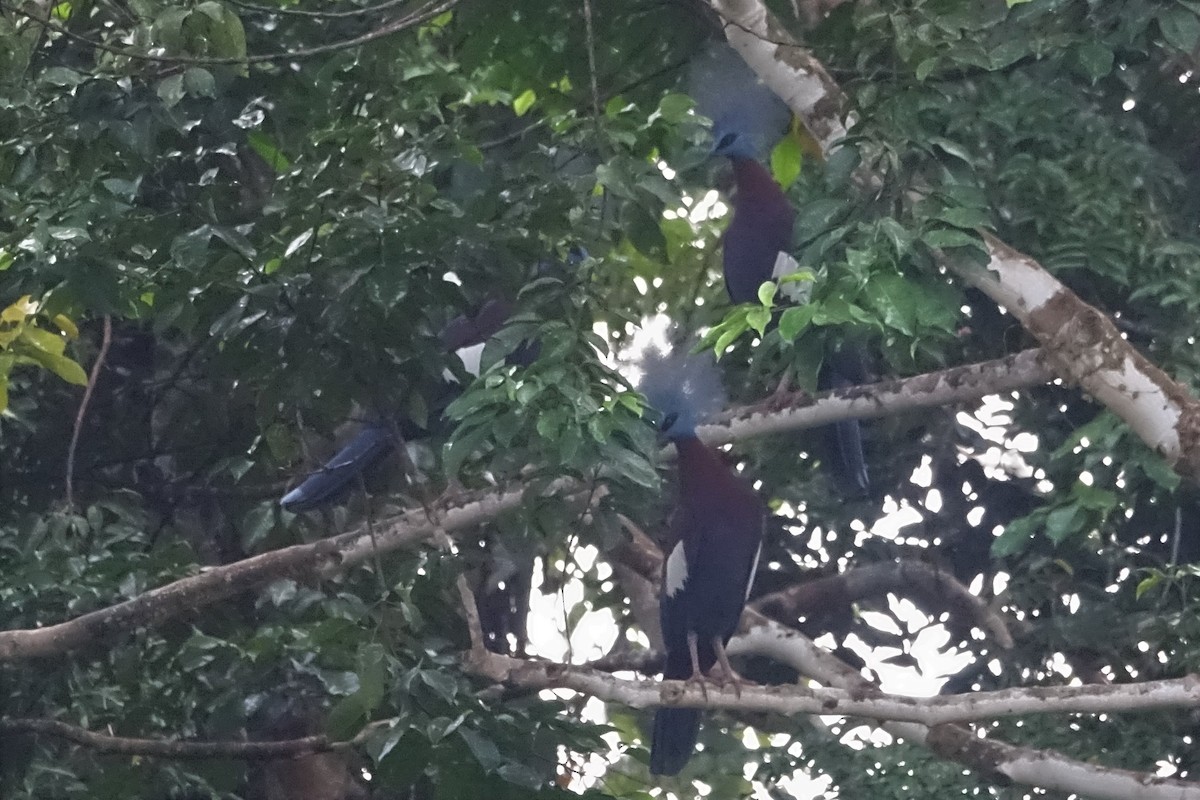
916 580
531 675
759 635
930 587
1004 761
1085 346
417 17
946 387
163 748
105 342
413 527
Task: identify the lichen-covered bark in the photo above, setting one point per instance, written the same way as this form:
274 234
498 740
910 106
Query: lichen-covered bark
1086 348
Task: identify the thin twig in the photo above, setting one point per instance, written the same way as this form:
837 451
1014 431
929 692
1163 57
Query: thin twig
471 612
289 12
164 748
591 52
424 14
83 407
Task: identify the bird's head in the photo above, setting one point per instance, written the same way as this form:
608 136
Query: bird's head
552 267
732 142
748 118
682 389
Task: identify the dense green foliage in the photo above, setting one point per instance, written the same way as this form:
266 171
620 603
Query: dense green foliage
272 242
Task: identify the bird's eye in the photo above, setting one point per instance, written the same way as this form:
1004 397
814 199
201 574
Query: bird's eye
726 142
669 420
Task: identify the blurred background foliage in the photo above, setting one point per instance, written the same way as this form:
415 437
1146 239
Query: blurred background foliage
278 209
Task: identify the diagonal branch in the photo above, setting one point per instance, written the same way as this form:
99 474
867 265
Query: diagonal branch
167 748
414 527
932 588
1085 346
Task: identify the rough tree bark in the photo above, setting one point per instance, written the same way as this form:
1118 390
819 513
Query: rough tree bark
1085 346
412 528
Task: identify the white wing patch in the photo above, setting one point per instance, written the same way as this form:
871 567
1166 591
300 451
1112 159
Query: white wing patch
677 571
750 577
784 265
796 292
470 357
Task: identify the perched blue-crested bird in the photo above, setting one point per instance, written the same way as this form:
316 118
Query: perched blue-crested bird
716 531
748 119
465 337
378 436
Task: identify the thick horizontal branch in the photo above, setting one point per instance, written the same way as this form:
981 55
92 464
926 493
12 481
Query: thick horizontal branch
945 387
998 759
414 527
1086 347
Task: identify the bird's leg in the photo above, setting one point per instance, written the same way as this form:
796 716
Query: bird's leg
731 677
697 675
783 395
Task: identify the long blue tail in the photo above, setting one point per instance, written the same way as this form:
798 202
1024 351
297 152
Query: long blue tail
675 734
843 368
337 476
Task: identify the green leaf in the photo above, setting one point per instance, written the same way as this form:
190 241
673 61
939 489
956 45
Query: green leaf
268 151
1016 536
372 674
965 217
298 241
43 341
787 159
731 331
818 217
951 237
441 683
381 742
199 82
170 90
896 300
67 370
484 750
794 321
673 108
1063 522
61 76
1095 58
524 101
841 165
1180 27
1146 584
345 719
257 525
462 445
758 318
630 465
766 293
